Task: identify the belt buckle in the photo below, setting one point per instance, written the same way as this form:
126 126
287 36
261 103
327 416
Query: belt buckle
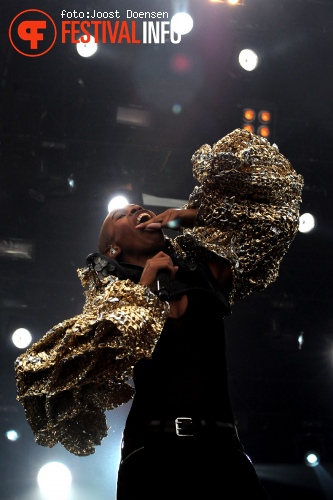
184 426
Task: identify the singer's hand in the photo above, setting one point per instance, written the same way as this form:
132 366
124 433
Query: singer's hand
172 218
160 261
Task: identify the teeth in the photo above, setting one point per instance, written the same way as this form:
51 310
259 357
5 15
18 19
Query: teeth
143 218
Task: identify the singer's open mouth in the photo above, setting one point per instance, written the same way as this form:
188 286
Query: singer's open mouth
143 217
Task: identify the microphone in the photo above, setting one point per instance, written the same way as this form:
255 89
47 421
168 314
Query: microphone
163 284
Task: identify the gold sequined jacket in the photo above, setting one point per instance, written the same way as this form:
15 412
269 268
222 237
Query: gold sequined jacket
248 198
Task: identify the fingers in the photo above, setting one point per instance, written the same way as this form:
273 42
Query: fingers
172 218
153 225
169 219
160 261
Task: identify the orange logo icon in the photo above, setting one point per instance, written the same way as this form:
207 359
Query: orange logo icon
32 33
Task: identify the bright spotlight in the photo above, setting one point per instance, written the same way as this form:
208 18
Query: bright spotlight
300 340
264 131
21 338
181 23
71 183
54 480
12 435
249 114
306 223
248 59
312 458
265 116
117 202
87 49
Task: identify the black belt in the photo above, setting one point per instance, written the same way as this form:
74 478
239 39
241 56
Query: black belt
186 426
165 430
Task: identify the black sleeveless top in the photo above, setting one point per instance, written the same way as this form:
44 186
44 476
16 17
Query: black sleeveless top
187 374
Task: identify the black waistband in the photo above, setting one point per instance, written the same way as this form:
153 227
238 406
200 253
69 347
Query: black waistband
180 432
182 426
187 426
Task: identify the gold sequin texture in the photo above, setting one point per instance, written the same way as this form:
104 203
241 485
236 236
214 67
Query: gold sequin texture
248 201
81 367
248 197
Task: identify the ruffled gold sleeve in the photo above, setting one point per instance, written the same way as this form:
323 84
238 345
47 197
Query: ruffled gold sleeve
80 368
248 198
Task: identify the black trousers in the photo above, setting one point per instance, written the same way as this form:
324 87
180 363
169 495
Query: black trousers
171 467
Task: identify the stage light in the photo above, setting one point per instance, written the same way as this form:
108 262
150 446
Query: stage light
54 480
71 182
264 131
21 338
311 445
249 127
307 223
87 49
264 116
118 201
248 59
249 115
12 435
258 121
182 23
300 340
118 192
312 458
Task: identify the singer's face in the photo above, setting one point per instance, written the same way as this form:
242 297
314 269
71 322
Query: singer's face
119 231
